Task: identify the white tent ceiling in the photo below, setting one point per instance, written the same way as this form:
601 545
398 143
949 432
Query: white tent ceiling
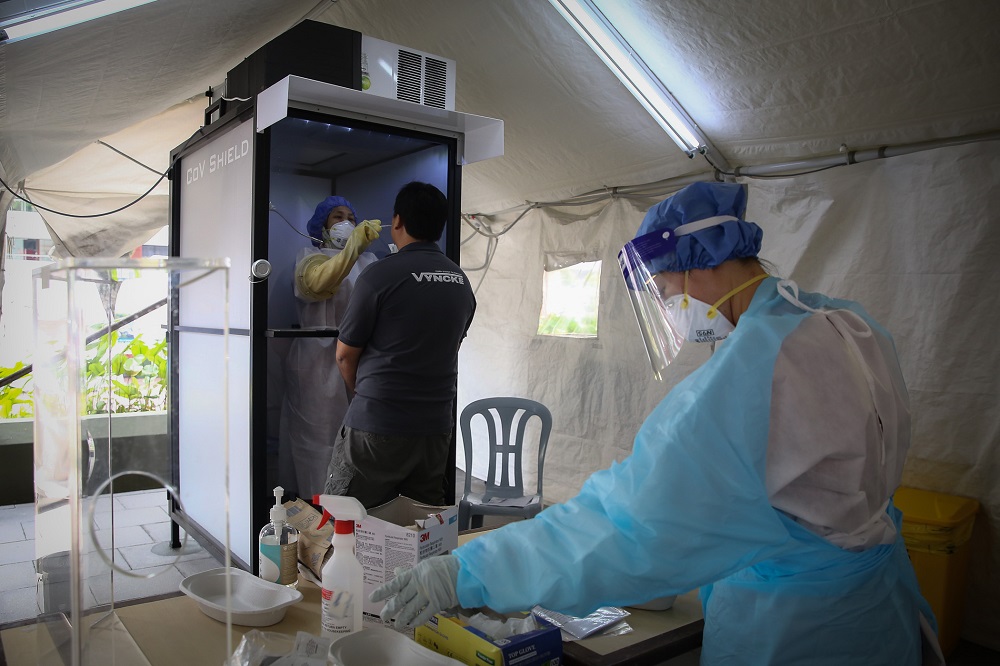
766 80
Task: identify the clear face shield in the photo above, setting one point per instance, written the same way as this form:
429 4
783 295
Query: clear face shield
651 296
667 315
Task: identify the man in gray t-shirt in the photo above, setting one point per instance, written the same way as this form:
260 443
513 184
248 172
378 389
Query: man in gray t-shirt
398 353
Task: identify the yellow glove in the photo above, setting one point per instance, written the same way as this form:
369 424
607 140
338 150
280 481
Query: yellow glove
318 276
365 233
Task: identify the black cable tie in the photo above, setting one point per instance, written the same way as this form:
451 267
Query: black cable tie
881 152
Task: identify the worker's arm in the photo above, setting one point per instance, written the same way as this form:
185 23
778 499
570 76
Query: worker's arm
347 361
318 276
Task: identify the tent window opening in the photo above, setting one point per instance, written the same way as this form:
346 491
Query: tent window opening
570 297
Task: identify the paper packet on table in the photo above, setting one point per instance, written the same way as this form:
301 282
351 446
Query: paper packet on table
314 541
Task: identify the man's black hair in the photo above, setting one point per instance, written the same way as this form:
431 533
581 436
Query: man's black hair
423 209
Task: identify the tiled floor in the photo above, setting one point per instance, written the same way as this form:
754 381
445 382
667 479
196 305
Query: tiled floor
141 523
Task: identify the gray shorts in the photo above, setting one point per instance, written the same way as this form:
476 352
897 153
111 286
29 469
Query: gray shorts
375 468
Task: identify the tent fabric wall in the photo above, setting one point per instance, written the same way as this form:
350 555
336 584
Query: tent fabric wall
96 180
913 238
765 80
67 88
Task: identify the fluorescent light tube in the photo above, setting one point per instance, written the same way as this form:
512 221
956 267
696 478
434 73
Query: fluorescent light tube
79 13
607 42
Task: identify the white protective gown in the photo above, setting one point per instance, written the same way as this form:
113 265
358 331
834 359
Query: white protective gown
315 394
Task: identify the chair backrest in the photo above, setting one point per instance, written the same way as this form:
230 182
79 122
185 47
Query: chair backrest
506 442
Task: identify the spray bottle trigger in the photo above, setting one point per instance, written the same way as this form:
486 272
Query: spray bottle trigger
326 514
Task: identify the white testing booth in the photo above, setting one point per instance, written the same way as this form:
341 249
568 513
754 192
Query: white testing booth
237 191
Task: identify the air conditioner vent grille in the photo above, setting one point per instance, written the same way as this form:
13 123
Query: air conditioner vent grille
435 82
408 76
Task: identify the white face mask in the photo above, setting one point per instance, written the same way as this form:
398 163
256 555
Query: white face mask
695 320
337 235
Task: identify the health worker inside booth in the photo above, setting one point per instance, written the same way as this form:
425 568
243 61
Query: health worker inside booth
765 478
315 396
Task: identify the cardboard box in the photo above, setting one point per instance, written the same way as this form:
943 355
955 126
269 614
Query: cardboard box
451 637
401 533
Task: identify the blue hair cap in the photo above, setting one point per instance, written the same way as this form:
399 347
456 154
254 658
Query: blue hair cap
314 227
709 247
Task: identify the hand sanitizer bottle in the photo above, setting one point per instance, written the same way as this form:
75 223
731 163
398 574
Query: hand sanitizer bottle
278 545
343 576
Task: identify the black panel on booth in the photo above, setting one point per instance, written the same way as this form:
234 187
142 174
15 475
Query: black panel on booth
311 49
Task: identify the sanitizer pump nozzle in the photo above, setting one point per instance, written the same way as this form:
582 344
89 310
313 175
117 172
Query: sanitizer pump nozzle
343 577
278 512
278 545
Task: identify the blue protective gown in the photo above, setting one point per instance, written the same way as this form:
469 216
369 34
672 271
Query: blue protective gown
691 508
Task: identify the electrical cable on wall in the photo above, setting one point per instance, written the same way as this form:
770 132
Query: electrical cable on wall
128 157
74 215
116 210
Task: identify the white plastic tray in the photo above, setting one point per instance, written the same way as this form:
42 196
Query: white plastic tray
255 602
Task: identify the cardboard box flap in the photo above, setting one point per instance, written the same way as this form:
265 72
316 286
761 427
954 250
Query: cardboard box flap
411 514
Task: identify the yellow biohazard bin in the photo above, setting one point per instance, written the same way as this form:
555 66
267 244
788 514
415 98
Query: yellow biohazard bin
936 530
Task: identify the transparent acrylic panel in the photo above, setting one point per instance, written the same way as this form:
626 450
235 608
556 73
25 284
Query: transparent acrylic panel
105 361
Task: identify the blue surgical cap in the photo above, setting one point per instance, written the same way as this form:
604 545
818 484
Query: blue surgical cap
314 227
709 247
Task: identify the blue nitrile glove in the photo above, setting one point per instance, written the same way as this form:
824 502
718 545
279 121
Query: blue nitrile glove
420 592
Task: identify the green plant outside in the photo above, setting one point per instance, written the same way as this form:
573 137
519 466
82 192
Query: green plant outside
556 324
130 379
570 301
15 401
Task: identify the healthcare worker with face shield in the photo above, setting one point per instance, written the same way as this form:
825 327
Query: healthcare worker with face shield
315 398
764 478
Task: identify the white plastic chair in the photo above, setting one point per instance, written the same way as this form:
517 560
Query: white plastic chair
506 440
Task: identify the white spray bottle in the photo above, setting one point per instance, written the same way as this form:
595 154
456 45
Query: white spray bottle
343 577
278 547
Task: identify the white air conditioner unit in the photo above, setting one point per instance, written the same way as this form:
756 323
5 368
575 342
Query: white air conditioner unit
397 72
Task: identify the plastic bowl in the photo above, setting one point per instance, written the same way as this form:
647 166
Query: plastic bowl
658 604
385 647
254 602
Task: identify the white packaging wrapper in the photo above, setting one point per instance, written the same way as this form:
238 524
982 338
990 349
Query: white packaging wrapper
499 629
599 621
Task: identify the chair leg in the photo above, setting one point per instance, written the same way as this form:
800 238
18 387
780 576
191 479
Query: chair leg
477 521
463 516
